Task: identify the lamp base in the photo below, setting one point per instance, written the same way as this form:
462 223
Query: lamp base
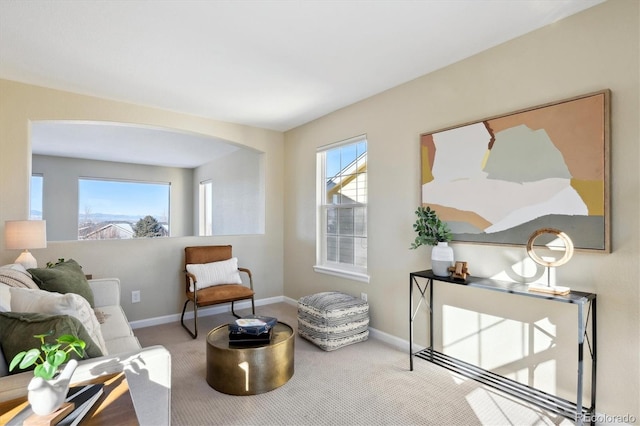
27 260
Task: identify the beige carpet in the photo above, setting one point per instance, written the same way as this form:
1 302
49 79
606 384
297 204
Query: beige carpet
367 383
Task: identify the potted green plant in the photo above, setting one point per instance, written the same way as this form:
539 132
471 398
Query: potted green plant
47 394
432 231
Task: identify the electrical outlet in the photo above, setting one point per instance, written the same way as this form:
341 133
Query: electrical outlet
135 296
363 296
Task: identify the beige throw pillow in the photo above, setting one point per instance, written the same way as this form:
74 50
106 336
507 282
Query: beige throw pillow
214 273
45 302
14 275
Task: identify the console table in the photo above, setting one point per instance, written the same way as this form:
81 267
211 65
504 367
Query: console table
572 410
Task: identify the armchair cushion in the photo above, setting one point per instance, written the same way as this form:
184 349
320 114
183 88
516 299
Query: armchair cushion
64 277
214 273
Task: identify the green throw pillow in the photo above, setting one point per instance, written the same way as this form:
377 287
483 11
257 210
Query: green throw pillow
64 277
18 328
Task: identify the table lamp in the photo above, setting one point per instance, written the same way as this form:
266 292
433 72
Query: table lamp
25 234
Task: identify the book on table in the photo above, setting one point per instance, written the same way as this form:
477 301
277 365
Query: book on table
251 330
238 339
83 398
255 325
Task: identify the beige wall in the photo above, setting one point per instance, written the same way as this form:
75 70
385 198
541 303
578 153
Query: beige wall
152 266
596 49
593 50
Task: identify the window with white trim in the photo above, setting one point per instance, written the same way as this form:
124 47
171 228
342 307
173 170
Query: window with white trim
342 209
35 201
205 217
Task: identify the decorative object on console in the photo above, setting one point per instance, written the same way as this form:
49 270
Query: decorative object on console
434 232
552 245
25 235
459 271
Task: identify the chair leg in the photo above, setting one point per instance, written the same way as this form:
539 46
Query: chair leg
253 309
195 319
234 312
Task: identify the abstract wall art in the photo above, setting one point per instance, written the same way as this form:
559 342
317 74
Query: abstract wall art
497 180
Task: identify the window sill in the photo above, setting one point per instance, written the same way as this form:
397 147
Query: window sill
351 275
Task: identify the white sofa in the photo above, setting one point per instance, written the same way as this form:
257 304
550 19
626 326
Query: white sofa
148 370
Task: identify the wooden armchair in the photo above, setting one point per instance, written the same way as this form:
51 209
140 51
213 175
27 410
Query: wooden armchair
200 258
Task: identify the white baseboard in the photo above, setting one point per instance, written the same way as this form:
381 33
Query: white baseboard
394 341
213 310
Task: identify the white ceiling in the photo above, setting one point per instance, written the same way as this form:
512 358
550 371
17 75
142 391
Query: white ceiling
274 64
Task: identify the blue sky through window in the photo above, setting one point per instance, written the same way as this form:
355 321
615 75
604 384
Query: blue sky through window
339 158
35 202
123 198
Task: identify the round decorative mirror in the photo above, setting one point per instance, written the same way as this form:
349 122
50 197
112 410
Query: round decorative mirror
550 242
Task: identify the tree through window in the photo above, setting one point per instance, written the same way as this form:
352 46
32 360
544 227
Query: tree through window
116 209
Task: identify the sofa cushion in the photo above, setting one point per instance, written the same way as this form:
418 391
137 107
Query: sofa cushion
45 302
64 277
117 332
17 330
115 324
214 273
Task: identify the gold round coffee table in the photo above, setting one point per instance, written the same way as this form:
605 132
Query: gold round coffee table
251 370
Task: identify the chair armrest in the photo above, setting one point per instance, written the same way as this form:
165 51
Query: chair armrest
106 291
190 279
248 272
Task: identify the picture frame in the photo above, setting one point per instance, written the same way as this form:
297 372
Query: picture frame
499 179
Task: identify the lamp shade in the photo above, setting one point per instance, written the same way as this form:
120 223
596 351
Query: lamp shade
25 234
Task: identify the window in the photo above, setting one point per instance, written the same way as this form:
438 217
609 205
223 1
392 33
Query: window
35 201
205 217
116 209
342 209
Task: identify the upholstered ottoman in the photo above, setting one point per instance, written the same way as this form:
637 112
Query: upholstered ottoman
333 319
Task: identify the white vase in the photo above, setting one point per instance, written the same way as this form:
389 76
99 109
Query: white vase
441 259
46 396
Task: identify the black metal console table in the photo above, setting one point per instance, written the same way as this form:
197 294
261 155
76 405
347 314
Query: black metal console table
572 410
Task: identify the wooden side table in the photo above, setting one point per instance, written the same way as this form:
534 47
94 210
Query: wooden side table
113 407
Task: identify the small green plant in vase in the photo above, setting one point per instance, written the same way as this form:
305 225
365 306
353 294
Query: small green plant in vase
50 356
432 231
47 394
